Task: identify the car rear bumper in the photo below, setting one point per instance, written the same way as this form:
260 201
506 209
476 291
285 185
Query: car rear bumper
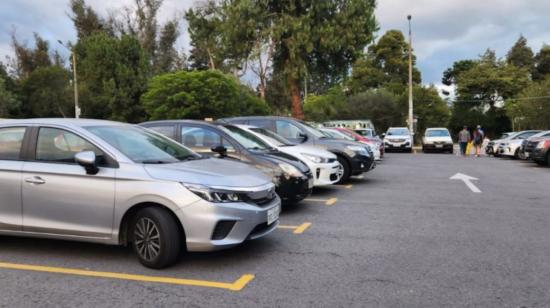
438 147
201 222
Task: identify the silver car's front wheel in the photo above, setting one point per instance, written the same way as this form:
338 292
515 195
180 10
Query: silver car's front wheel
156 237
147 239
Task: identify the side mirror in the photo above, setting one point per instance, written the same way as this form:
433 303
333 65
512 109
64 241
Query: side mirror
87 159
383 135
302 137
220 149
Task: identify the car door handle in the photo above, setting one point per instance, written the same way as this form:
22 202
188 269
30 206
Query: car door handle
35 180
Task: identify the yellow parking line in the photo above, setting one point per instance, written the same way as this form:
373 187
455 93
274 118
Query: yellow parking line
297 229
328 202
349 186
237 285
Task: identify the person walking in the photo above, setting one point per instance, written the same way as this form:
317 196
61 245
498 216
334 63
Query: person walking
478 139
463 139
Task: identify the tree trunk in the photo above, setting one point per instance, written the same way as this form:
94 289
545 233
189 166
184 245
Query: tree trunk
295 98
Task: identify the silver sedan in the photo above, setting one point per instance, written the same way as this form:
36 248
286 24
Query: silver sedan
119 184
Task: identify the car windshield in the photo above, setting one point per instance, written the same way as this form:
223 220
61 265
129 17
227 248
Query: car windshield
143 146
278 140
398 132
365 132
246 139
312 130
437 133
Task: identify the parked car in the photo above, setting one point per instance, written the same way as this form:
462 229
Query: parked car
529 144
511 146
398 138
492 145
370 134
374 145
293 179
437 139
119 184
323 164
355 157
541 153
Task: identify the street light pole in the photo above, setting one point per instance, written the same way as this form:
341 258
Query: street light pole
75 83
411 124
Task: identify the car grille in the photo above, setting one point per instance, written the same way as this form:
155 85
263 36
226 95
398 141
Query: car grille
439 142
261 198
261 228
396 140
531 145
222 229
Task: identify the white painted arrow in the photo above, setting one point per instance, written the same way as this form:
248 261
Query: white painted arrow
467 180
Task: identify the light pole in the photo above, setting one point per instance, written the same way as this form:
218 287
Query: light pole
76 106
411 124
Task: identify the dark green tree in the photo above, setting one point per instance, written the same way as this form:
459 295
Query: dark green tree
85 20
520 54
325 107
47 93
542 63
9 103
198 95
381 106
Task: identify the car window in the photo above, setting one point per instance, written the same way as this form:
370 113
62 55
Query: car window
260 123
166 130
437 133
60 146
244 138
11 140
287 130
200 139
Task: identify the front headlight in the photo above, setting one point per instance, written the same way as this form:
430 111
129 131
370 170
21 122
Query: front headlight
290 171
315 158
540 145
357 149
213 195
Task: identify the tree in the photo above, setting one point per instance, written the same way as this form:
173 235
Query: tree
47 93
85 20
8 100
542 63
29 59
429 108
113 75
450 75
531 109
320 108
198 95
205 28
381 106
520 54
386 64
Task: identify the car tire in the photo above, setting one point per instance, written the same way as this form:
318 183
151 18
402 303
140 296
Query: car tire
516 154
347 169
156 237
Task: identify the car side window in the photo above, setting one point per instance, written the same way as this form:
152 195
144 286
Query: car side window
200 139
11 140
260 123
287 130
166 130
60 146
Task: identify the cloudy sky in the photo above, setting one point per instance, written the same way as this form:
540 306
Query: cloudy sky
443 31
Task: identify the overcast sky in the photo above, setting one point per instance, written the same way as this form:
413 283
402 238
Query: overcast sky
443 31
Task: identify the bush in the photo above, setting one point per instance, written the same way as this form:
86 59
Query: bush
198 95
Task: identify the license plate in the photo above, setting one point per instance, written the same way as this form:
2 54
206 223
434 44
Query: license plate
310 183
439 146
273 215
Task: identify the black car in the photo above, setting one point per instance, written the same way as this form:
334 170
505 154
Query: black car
541 153
355 157
293 179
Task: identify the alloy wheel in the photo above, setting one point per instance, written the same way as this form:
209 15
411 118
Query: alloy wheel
147 239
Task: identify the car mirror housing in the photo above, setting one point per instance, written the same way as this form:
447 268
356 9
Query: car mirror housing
220 149
302 137
87 159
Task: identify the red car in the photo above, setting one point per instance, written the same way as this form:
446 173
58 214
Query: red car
360 138
541 153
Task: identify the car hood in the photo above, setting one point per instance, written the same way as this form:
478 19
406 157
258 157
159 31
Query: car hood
210 172
297 150
392 137
277 157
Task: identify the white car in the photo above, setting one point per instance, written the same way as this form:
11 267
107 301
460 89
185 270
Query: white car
398 138
323 164
492 146
345 133
511 147
437 139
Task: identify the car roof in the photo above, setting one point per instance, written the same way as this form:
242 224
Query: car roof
61 121
199 122
258 117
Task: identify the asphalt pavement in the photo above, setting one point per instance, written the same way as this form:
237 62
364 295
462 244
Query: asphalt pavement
404 235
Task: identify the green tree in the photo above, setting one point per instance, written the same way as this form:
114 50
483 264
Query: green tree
531 109
85 20
542 63
198 95
205 28
8 100
386 64
520 54
47 93
429 108
113 74
381 106
321 108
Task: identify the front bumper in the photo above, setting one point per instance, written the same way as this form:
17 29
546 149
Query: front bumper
438 147
389 145
325 174
361 163
200 219
294 189
539 155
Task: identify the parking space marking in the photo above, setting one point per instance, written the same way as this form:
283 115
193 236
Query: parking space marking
327 202
348 186
297 229
237 285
